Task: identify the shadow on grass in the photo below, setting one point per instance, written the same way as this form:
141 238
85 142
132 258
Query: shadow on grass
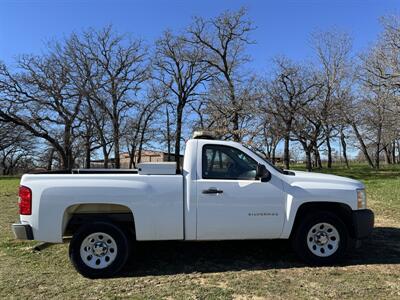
167 258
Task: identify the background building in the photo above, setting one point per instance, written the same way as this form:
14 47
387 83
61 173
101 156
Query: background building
147 156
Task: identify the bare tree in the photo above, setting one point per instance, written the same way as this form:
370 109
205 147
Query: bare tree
333 51
378 121
6 135
291 89
17 148
382 63
88 77
379 77
225 39
41 98
309 132
120 70
88 134
215 110
179 67
267 136
139 125
165 120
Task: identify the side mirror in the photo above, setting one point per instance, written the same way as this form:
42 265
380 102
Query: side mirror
262 173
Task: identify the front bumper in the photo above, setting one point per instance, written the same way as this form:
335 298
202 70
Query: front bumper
22 231
363 222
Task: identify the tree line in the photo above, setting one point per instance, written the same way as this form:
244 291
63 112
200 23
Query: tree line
100 92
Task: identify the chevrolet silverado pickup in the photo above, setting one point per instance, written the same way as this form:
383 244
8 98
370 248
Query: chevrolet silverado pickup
224 192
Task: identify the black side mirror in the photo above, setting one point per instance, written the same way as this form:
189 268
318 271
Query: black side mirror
262 173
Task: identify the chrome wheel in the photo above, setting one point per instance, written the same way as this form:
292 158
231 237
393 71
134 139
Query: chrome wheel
98 250
323 239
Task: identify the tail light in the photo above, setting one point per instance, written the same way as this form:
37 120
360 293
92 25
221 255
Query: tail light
25 200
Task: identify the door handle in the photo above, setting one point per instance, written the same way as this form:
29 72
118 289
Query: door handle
213 190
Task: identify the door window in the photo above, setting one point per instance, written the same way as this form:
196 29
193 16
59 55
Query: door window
224 162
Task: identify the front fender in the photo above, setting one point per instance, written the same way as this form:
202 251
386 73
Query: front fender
299 195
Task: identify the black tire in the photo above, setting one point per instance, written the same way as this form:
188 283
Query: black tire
300 243
122 250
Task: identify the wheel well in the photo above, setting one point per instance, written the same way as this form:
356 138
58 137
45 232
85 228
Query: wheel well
343 211
80 214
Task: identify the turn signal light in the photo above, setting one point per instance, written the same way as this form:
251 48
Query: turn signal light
361 199
25 200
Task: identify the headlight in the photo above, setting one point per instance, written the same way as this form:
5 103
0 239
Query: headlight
361 199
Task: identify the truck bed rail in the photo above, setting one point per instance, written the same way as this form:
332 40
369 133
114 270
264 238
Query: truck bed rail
88 171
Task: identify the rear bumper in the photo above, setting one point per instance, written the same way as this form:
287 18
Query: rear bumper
363 221
22 231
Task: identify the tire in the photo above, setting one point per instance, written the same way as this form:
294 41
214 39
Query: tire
321 239
99 250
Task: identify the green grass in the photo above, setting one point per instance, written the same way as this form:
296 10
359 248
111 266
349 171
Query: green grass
243 269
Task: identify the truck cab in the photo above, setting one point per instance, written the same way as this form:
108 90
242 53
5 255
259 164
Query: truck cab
225 195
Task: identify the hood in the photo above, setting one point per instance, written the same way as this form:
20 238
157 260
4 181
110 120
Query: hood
302 178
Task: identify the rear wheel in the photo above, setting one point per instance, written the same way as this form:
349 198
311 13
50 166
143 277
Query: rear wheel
321 239
99 249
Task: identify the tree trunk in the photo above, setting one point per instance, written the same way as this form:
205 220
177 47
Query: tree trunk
132 154
273 154
362 145
286 154
139 156
66 156
377 158
63 160
308 160
178 138
307 151
235 117
393 152
319 160
388 160
88 152
70 159
50 159
105 154
3 164
116 144
344 148
168 134
398 151
235 120
328 145
315 162
317 157
378 149
139 159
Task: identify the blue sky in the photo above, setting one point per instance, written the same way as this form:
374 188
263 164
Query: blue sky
283 27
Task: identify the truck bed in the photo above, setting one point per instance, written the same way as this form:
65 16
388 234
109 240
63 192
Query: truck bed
156 201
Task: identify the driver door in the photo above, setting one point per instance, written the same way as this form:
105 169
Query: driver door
231 203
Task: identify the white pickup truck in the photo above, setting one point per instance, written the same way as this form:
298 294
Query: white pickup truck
225 192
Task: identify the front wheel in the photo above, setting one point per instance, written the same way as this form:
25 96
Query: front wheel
321 239
99 249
